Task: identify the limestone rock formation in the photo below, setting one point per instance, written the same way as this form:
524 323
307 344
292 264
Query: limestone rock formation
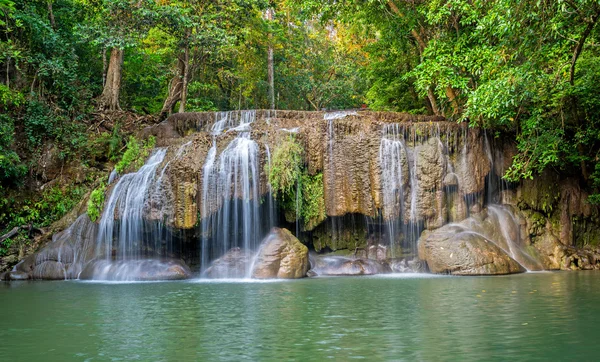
281 255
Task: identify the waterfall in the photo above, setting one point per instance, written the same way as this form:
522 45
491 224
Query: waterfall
122 224
392 156
231 205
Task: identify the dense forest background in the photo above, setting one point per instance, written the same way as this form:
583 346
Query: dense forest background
77 77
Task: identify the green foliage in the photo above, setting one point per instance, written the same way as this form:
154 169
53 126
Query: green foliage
53 204
313 200
11 168
96 203
135 154
288 176
286 168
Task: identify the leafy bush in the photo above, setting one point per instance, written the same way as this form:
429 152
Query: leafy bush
135 154
285 170
96 203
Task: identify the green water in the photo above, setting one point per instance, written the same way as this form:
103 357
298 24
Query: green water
542 316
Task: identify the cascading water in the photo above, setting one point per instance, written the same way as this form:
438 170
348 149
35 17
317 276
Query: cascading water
394 171
126 203
231 204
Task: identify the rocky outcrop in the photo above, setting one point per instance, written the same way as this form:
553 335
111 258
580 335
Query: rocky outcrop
281 255
491 242
234 264
451 251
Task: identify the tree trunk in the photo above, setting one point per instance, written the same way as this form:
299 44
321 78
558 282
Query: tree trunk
579 46
432 101
8 72
270 65
174 89
451 94
104 66
185 80
109 99
51 15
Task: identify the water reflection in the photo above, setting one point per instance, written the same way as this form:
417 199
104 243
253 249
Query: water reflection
532 316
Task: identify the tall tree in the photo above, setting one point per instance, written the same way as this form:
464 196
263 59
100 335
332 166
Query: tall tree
117 25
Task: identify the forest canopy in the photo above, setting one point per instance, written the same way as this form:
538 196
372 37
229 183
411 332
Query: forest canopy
524 69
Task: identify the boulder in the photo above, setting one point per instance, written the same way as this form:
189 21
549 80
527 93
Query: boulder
17 275
337 266
234 264
406 265
136 270
453 250
281 255
50 270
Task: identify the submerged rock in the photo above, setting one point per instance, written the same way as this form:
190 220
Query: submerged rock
234 264
281 255
337 266
136 270
406 265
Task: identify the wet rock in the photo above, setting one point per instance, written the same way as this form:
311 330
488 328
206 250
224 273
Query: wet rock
281 255
338 266
136 270
408 266
450 180
61 252
26 265
452 250
50 270
374 252
234 264
17 275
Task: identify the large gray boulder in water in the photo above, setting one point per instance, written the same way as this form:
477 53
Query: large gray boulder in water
337 266
281 255
452 250
234 264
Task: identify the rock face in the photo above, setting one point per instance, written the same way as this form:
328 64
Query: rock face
450 251
338 266
234 264
281 255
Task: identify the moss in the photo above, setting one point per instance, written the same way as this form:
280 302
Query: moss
313 201
96 203
288 175
285 169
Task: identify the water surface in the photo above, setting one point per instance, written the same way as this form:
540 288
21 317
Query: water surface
533 316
